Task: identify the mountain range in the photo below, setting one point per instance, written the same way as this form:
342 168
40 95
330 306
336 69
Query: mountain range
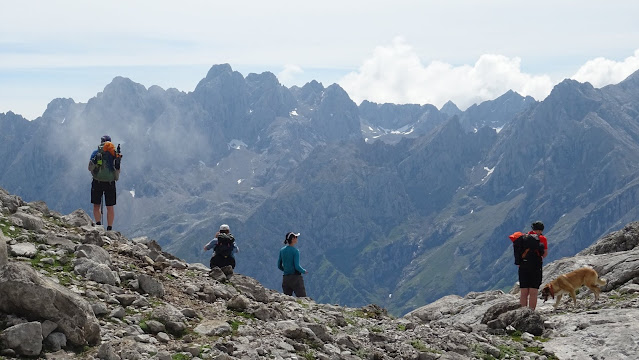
397 204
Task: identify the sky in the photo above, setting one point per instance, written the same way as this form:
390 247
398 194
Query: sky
420 52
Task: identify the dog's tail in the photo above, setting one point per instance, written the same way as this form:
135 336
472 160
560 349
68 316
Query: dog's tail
601 282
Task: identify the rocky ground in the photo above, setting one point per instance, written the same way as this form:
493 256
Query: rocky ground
71 290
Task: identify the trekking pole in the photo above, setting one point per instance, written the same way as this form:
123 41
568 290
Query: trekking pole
102 198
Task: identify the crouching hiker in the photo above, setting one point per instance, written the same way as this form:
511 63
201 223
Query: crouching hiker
224 250
289 263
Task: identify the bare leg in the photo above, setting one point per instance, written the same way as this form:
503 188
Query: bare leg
110 215
96 212
523 297
532 298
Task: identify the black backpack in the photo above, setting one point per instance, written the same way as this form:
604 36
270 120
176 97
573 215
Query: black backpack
528 249
225 244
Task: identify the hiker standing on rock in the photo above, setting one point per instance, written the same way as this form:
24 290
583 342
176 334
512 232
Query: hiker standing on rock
224 249
530 267
104 165
289 263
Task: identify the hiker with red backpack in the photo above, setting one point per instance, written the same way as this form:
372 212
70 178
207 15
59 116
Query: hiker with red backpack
104 165
530 250
224 248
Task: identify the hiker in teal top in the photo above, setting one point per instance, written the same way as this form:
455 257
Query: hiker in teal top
289 263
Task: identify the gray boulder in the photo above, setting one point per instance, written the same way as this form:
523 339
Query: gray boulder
55 341
436 310
54 240
155 327
102 274
25 292
93 252
523 319
171 317
238 303
126 299
250 287
94 238
622 240
213 328
150 285
95 271
47 327
99 309
11 202
25 339
28 221
24 250
78 218
217 274
107 352
199 267
263 313
41 206
494 311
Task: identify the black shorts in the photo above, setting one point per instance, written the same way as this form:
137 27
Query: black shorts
221 261
530 276
100 187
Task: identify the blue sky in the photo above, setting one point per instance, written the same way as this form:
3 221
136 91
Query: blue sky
400 51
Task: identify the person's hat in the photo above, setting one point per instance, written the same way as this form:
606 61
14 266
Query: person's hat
224 227
290 235
105 138
537 225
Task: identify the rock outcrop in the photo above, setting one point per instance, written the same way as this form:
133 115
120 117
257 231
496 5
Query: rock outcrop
26 293
128 299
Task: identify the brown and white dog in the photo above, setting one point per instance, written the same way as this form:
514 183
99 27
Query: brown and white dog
569 283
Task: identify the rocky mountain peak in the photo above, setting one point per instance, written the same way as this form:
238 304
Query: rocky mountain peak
69 289
495 113
121 86
266 78
313 86
310 93
571 88
337 117
450 109
57 109
219 70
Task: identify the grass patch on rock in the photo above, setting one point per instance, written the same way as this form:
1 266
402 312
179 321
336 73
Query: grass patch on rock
420 346
9 229
63 270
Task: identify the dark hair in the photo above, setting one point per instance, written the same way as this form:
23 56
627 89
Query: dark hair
537 225
105 138
289 237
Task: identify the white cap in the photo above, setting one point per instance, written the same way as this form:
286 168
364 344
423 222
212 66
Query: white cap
224 227
290 235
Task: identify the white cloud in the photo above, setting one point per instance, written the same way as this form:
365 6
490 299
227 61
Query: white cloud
288 76
601 71
396 74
